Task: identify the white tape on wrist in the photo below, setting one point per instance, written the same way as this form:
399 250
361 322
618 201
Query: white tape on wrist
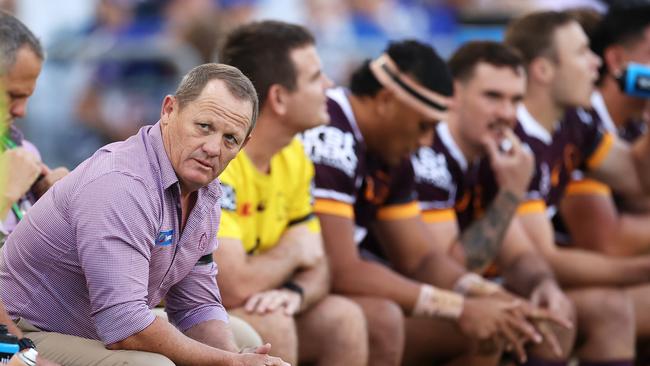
433 302
471 284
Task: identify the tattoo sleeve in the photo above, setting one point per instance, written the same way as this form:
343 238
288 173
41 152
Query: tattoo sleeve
482 239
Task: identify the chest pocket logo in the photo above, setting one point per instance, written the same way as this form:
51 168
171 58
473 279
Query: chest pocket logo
165 238
203 241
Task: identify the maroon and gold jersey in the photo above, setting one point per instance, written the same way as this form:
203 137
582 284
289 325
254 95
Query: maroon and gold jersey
578 142
582 185
446 184
350 181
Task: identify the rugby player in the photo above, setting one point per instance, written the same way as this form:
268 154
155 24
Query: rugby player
489 83
364 190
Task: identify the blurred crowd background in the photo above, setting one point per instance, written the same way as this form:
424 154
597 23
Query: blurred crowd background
110 62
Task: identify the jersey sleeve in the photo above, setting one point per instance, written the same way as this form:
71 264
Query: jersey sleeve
594 141
435 186
401 202
336 165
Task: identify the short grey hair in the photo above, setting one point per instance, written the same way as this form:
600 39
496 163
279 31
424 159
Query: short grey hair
237 84
13 36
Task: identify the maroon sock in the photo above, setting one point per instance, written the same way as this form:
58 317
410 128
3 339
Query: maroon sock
535 361
607 363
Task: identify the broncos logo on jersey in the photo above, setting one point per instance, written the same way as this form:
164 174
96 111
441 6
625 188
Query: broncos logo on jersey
330 146
431 167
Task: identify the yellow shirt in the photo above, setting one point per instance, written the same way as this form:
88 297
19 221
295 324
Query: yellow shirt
257 208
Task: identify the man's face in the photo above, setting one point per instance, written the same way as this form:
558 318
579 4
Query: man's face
203 136
307 103
486 103
19 83
402 131
576 67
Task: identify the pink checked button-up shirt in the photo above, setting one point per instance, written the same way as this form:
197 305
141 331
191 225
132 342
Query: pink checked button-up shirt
103 247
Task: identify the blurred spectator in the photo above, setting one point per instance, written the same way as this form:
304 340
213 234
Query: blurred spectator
146 60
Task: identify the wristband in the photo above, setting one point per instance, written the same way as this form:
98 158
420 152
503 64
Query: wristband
292 286
25 343
433 302
471 284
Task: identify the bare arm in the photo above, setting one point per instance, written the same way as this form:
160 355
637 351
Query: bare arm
6 320
443 235
161 337
314 281
577 267
354 276
482 240
243 275
522 265
513 171
408 247
214 333
626 168
595 223
641 155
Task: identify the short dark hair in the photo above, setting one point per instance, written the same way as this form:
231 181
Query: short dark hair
589 19
623 24
262 51
464 61
532 35
237 84
13 36
413 58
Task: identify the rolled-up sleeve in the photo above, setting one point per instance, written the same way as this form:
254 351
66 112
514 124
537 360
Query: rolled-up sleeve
196 298
115 223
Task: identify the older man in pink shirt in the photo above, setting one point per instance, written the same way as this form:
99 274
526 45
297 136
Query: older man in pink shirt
133 225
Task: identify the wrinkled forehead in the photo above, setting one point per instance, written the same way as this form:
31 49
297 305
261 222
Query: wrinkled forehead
217 99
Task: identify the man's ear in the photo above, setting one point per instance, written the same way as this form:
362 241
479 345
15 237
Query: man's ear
169 106
276 100
248 138
385 102
614 59
542 70
459 89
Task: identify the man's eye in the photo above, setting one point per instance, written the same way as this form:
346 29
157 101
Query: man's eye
231 139
204 126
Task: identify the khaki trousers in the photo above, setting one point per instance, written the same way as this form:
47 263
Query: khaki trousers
68 350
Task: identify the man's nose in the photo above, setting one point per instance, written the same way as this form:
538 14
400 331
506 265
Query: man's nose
212 146
17 109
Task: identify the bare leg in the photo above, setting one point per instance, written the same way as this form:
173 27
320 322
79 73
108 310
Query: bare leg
640 296
275 328
438 340
605 324
333 332
385 330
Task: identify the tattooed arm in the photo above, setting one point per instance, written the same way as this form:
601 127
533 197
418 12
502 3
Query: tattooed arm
481 241
512 170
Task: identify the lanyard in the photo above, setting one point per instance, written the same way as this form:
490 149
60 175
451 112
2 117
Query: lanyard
9 144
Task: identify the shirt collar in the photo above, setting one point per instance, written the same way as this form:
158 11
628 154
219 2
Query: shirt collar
598 104
531 126
340 96
443 133
167 174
